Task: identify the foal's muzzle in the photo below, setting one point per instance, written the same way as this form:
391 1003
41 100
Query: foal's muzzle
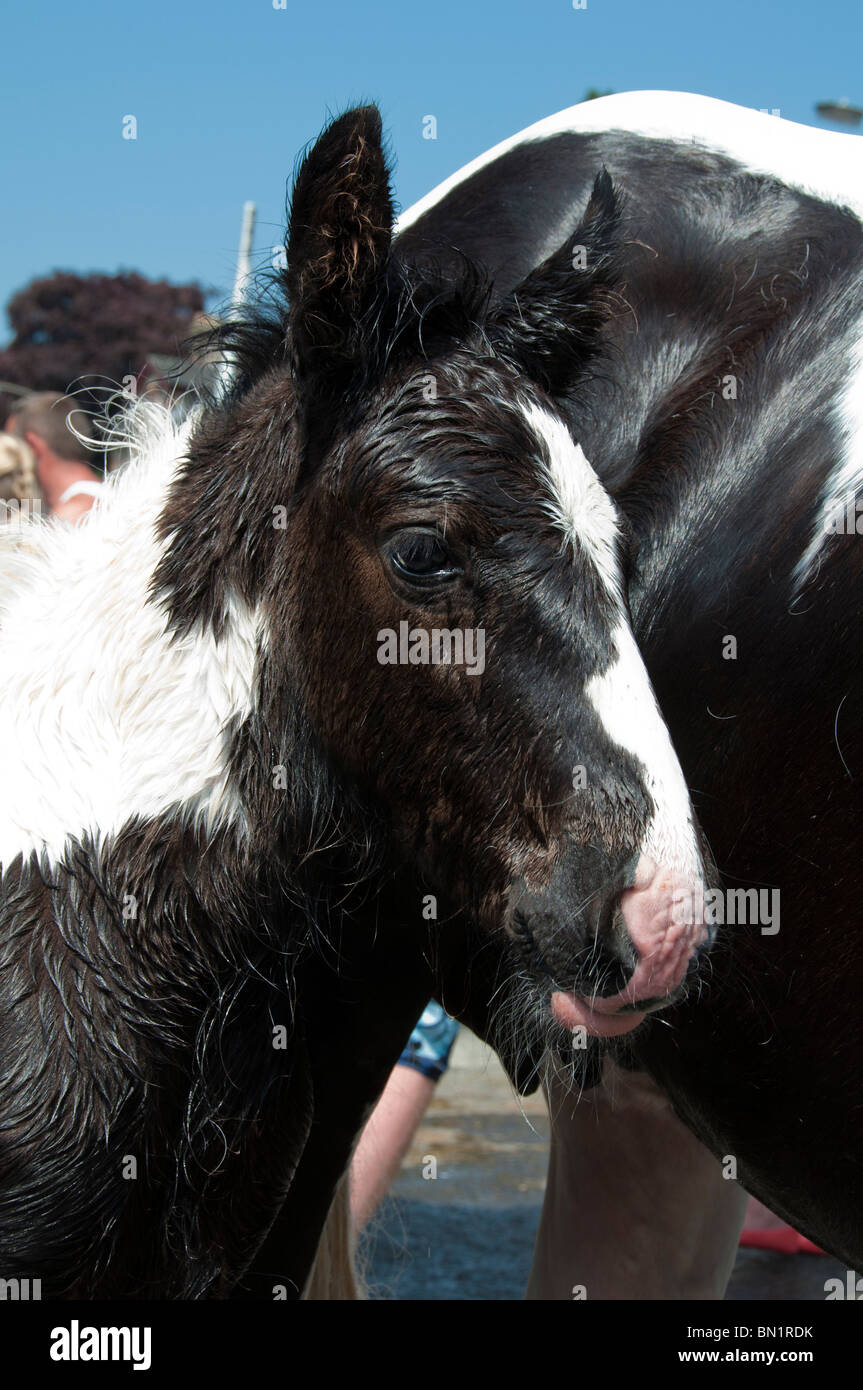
615 952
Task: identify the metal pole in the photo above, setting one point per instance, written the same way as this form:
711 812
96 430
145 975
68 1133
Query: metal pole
244 255
241 282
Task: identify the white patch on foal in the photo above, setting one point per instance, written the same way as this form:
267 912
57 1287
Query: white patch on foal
104 716
622 696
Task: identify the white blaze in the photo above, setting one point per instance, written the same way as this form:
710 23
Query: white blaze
582 507
624 700
622 696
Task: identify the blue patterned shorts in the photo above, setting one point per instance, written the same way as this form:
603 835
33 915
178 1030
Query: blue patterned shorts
430 1043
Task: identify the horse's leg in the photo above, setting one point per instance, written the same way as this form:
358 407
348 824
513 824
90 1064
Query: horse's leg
635 1206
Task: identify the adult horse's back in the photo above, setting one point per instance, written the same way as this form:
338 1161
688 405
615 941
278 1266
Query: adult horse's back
726 417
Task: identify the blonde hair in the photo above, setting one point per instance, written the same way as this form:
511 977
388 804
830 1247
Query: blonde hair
17 471
335 1274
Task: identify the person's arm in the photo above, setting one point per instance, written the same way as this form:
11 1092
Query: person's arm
386 1139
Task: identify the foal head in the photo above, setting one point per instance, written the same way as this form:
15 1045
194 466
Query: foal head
447 593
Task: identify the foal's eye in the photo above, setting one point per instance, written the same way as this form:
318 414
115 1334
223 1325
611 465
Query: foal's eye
421 556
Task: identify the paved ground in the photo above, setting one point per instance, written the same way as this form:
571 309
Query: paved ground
468 1232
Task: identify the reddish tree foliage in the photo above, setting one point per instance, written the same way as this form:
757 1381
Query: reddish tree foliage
88 330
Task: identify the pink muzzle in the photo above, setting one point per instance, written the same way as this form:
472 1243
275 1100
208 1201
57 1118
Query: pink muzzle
663 918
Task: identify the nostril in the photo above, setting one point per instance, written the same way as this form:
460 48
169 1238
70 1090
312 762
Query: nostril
595 967
599 914
605 973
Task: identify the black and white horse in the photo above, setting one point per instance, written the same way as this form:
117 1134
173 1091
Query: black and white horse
724 413
341 695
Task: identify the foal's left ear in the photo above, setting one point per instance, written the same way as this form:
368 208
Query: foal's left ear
549 324
338 244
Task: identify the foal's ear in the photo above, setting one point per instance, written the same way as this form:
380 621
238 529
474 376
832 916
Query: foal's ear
549 324
337 245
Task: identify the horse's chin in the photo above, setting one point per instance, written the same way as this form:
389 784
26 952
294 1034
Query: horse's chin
573 1011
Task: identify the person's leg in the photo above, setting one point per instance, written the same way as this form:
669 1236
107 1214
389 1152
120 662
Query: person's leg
635 1207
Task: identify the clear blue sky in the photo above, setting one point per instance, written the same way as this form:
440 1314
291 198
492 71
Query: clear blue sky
226 92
